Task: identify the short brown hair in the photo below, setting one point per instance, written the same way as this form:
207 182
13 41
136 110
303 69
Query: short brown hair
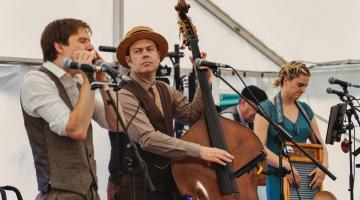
59 31
290 71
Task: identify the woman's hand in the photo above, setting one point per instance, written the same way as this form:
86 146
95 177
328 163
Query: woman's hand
290 177
319 177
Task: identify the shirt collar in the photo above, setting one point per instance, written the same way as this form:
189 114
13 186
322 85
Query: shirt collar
57 71
62 74
142 83
240 116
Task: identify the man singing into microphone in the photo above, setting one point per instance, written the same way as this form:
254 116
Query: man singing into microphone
58 106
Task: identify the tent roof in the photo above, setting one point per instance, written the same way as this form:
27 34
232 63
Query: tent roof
316 31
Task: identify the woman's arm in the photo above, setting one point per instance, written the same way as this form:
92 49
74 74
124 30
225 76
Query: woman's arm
261 127
319 175
317 134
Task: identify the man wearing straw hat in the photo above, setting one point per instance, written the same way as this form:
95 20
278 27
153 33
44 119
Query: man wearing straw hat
150 107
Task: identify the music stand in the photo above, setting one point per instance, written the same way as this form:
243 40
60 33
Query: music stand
335 127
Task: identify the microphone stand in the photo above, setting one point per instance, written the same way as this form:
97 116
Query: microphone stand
281 171
131 145
91 79
350 126
279 138
175 59
282 133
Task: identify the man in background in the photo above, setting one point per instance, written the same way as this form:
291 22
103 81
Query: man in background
243 112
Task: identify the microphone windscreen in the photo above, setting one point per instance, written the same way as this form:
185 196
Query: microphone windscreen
198 62
107 49
329 90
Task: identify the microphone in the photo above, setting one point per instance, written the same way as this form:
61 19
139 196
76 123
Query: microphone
332 91
68 63
174 54
333 80
113 50
199 62
107 49
100 65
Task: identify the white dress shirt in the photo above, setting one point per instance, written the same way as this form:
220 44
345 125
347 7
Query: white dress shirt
230 116
40 98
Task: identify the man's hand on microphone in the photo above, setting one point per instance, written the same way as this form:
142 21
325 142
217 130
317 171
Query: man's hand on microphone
99 75
203 55
208 70
85 57
82 57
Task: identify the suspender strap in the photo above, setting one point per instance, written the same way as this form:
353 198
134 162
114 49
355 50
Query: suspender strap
62 92
279 110
280 114
301 108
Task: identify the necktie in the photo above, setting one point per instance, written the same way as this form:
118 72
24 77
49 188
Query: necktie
157 97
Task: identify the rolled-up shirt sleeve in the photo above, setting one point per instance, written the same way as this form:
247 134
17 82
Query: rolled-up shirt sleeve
99 111
43 100
142 132
186 112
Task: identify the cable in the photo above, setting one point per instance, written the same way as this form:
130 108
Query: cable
143 162
292 172
354 163
133 117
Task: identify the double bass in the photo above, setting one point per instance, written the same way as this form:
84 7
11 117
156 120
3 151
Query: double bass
203 180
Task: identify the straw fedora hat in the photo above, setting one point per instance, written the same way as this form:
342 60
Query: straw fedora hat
138 33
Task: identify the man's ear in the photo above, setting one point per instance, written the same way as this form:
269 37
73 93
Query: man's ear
158 54
59 47
242 101
128 60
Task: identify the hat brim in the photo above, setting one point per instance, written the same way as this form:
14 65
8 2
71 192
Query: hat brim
123 47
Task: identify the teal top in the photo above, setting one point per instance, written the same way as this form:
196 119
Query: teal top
300 131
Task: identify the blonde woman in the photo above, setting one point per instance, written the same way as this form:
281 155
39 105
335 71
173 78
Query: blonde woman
296 117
